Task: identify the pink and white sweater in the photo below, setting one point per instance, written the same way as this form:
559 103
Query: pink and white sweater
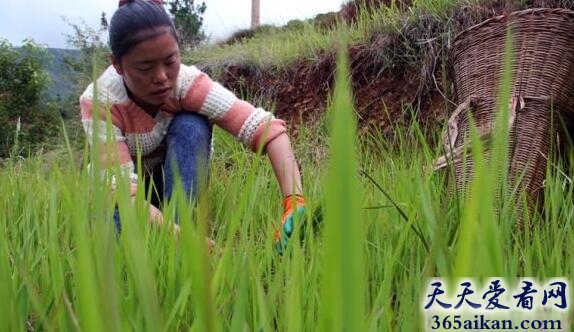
133 128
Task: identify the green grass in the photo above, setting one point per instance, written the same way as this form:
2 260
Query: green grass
380 223
280 47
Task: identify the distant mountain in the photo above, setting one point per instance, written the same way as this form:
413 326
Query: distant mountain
61 78
61 84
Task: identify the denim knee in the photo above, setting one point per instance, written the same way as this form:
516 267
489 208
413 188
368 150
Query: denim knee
188 153
190 127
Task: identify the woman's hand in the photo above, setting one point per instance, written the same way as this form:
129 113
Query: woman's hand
156 218
293 213
155 215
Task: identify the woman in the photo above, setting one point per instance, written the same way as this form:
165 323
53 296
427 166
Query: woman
163 110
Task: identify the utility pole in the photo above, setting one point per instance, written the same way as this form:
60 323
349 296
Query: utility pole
255 5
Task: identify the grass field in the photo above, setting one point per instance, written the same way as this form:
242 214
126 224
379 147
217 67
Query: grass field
379 223
360 265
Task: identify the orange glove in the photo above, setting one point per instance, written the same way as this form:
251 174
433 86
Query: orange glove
293 211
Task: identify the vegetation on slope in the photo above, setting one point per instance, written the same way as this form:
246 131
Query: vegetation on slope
399 53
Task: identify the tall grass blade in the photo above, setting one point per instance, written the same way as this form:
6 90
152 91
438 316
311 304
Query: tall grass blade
480 230
343 280
8 304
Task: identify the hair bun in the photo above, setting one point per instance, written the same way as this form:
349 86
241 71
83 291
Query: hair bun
125 2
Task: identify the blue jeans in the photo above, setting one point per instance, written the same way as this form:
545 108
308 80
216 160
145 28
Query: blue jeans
188 142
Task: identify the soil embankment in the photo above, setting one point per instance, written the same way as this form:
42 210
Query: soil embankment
391 73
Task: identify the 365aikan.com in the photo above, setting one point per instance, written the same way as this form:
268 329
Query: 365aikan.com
519 304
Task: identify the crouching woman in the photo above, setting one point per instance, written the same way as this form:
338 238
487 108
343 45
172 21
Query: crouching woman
163 110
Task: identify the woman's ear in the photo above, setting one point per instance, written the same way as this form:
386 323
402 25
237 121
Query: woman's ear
117 65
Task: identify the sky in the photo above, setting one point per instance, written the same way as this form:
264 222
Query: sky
43 20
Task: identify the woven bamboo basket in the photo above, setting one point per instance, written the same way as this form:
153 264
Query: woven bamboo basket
543 64
542 95
533 127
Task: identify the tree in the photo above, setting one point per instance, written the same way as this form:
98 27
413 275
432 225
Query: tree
188 19
26 123
94 51
92 59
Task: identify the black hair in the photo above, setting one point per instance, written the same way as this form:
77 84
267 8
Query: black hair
136 21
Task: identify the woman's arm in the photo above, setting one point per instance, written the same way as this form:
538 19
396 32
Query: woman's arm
252 126
284 165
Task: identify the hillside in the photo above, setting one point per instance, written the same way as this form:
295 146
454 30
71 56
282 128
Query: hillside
399 53
61 77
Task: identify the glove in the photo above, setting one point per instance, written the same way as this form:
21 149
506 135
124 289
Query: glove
293 210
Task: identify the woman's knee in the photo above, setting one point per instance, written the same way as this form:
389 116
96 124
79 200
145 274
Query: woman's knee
190 126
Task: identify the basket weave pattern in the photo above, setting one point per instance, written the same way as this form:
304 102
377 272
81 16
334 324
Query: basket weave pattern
542 79
543 63
530 142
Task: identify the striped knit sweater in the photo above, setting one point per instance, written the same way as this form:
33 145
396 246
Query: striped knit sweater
134 129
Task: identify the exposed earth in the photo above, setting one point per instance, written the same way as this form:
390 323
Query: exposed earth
390 72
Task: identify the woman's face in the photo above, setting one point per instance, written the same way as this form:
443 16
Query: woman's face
150 69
